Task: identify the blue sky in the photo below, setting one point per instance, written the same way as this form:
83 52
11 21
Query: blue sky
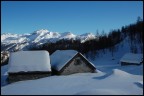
77 17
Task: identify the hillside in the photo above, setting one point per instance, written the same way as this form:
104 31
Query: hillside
85 43
112 79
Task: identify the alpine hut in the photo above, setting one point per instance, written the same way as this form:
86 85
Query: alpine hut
65 62
131 59
26 65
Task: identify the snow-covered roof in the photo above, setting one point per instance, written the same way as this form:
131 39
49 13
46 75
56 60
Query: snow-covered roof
88 61
29 61
132 58
60 57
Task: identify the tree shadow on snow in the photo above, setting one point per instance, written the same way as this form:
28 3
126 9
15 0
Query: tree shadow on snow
104 76
4 81
139 84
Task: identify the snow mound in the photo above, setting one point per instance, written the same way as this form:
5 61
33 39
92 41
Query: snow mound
120 73
77 84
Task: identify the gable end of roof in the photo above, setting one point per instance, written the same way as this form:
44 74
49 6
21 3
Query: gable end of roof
78 54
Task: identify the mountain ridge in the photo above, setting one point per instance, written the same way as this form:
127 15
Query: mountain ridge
39 37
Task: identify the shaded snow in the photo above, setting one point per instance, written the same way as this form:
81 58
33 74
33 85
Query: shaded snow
4 75
141 82
103 92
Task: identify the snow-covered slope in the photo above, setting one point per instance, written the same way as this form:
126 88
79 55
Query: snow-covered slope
116 83
104 60
111 79
12 38
23 41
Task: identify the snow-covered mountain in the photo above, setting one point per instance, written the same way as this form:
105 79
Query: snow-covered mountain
86 37
15 41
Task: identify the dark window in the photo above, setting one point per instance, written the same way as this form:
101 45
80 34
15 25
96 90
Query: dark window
77 62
